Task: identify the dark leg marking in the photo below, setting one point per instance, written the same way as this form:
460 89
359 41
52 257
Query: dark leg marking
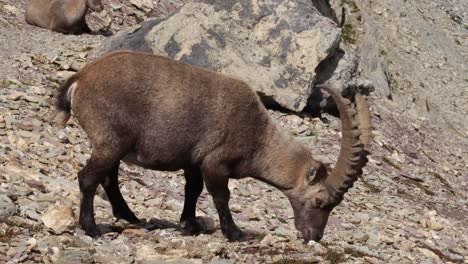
216 180
193 189
120 208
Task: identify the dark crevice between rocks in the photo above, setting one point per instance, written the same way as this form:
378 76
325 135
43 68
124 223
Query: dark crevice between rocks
439 253
325 9
444 182
317 103
418 185
270 103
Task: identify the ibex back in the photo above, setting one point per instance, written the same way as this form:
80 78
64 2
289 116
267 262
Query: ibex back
162 114
65 16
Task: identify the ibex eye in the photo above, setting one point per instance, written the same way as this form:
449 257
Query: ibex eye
318 202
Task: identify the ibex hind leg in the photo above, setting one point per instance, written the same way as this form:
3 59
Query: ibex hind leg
193 189
89 178
120 208
101 168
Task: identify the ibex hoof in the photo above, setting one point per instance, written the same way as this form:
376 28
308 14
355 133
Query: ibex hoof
235 235
190 228
129 217
91 231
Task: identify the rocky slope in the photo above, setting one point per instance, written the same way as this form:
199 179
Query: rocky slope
409 207
424 48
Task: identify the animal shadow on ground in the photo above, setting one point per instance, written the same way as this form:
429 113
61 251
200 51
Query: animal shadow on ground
103 32
120 226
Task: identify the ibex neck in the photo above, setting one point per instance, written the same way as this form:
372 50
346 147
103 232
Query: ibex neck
283 161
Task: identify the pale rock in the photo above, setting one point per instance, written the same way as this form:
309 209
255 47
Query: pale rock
318 249
423 222
11 9
360 236
116 251
270 240
15 95
294 120
374 239
134 232
399 157
59 218
221 261
11 252
429 254
142 4
64 74
7 207
435 225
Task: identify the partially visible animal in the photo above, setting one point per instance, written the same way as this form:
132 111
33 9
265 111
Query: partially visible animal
162 114
64 16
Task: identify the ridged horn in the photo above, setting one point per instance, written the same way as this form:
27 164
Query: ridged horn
364 117
355 141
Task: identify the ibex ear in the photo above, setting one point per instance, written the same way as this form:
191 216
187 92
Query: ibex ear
317 174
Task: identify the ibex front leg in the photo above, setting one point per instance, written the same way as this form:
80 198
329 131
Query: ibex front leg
216 181
193 189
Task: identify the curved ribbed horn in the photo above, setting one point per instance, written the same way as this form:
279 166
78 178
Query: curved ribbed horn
364 117
355 141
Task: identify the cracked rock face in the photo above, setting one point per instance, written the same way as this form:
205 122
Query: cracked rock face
275 46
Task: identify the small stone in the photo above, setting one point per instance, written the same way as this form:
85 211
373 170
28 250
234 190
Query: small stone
59 218
317 247
65 74
134 232
407 245
11 9
423 222
435 225
270 240
294 120
76 66
374 239
429 254
32 243
28 134
15 95
11 252
142 4
7 207
360 236
221 261
31 99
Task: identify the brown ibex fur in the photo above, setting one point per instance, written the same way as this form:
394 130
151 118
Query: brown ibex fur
162 114
65 16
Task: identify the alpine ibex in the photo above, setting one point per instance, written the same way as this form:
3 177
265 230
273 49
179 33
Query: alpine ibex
65 16
162 114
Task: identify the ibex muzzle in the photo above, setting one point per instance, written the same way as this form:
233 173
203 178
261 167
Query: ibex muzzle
162 114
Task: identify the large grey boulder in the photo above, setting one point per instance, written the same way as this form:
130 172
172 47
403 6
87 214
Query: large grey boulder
273 45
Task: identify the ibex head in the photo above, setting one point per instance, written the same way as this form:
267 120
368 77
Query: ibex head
95 5
318 191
